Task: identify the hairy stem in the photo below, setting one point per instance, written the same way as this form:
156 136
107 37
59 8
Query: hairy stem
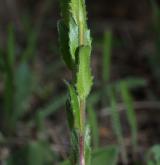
81 153
82 104
82 115
81 135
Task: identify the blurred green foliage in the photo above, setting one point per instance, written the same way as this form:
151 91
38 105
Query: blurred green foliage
153 155
19 87
20 84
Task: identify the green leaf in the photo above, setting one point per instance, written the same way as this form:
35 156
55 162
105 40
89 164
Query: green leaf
72 29
64 44
131 116
84 76
74 105
78 14
104 156
70 116
74 156
73 37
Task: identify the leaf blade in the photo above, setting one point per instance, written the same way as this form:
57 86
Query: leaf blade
84 76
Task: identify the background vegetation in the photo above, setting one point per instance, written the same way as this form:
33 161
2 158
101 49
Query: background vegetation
123 108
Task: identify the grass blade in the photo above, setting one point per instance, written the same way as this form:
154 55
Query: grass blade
131 116
117 125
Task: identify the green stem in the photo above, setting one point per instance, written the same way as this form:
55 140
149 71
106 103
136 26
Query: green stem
82 115
82 102
81 135
81 152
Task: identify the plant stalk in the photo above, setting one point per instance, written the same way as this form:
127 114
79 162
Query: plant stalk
82 105
80 44
81 135
81 153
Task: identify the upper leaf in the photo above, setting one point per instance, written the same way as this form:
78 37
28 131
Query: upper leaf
74 105
78 11
73 37
73 29
78 32
64 43
84 76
